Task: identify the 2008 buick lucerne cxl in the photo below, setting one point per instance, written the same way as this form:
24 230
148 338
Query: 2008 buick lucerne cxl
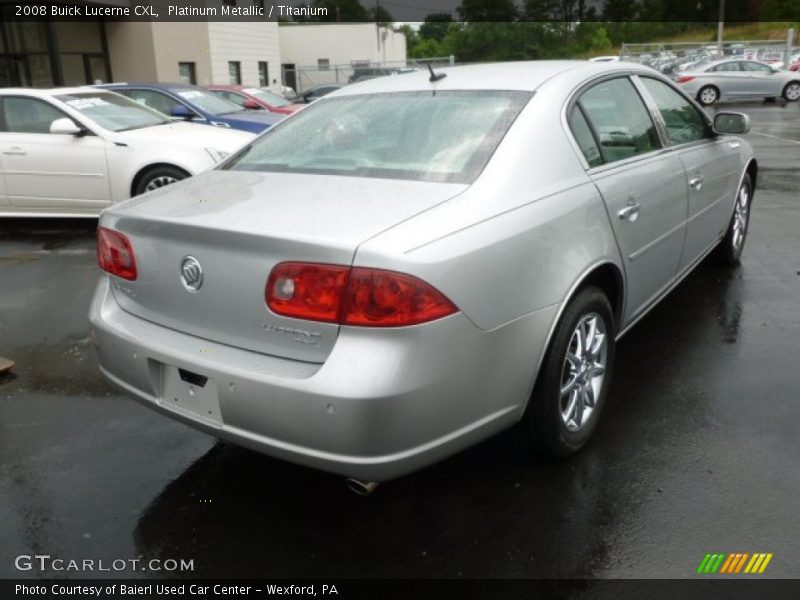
416 262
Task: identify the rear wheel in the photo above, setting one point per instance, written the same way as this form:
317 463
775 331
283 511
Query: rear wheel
708 95
791 93
571 388
729 251
158 177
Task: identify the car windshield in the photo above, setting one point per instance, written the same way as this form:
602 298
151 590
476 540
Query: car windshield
208 102
112 111
268 97
445 136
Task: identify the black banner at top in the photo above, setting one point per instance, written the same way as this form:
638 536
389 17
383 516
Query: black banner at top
349 11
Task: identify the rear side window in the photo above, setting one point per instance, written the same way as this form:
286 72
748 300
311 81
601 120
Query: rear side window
725 68
683 121
155 100
585 138
620 119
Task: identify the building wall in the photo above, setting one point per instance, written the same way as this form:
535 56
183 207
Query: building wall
176 42
247 43
342 44
131 51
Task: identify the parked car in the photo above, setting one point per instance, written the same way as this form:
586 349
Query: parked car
733 79
191 103
74 151
416 271
795 66
318 92
253 98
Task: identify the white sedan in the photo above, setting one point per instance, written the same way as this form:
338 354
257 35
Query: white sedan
74 151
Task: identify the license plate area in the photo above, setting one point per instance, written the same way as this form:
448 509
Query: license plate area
190 393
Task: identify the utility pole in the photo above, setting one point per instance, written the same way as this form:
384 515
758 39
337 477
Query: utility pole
720 26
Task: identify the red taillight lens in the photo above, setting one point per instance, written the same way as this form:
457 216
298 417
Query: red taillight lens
115 254
684 79
353 296
376 298
306 291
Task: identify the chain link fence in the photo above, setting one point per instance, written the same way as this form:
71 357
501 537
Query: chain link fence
680 56
302 78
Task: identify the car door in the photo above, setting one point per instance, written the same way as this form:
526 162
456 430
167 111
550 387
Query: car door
44 170
729 78
760 80
644 188
711 163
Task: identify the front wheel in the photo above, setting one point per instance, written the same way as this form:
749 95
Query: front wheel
729 251
791 93
159 177
571 388
708 95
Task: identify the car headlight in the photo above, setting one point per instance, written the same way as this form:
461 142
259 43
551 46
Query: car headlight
217 155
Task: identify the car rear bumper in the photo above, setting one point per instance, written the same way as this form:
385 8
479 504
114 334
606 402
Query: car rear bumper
384 403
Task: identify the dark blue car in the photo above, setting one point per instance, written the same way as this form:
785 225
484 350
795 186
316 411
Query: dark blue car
192 103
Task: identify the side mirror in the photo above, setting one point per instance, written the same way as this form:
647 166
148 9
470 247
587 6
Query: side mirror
251 104
731 123
180 111
66 126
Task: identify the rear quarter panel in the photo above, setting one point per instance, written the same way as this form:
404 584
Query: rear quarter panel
520 237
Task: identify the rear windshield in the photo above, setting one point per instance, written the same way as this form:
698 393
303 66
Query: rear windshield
268 97
445 136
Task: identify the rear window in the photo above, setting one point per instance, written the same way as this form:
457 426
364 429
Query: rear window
445 136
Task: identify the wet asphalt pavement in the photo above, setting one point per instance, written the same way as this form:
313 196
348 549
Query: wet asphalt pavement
697 451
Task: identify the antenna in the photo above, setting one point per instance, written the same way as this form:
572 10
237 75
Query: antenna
435 76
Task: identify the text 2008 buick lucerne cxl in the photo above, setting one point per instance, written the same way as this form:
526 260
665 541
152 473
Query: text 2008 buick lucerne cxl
416 262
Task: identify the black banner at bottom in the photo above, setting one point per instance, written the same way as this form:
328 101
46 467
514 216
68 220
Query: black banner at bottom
382 589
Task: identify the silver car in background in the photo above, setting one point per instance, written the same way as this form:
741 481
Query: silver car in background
733 79
412 264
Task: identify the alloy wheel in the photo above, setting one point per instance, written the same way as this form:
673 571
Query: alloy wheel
708 96
741 214
159 182
583 371
792 92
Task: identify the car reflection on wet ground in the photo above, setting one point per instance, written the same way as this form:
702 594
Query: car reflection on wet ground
697 451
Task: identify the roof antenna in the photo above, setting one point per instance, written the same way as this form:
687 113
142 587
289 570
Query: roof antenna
435 76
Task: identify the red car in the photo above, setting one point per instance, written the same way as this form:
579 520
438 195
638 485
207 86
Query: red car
255 98
795 66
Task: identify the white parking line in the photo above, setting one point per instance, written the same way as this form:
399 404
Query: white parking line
775 137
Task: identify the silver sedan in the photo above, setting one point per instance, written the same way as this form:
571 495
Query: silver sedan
734 79
414 263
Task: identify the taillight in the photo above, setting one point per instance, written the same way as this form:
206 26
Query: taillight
353 296
115 254
684 79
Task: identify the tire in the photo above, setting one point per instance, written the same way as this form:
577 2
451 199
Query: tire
708 94
729 250
158 177
791 93
556 430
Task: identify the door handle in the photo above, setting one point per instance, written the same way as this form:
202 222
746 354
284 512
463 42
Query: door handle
630 212
16 151
696 182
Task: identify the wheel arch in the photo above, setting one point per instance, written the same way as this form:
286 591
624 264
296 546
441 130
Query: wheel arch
143 170
752 170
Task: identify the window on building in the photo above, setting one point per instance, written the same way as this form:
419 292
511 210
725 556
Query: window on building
263 73
186 71
323 64
235 72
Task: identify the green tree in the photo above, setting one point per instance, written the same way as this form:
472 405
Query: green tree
436 26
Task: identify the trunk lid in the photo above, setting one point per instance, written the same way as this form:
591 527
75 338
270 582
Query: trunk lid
238 225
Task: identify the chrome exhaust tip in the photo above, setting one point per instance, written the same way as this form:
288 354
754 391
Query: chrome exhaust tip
362 488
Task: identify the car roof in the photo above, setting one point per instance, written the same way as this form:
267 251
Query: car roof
145 84
522 76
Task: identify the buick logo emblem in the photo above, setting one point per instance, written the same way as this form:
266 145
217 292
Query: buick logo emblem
191 274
